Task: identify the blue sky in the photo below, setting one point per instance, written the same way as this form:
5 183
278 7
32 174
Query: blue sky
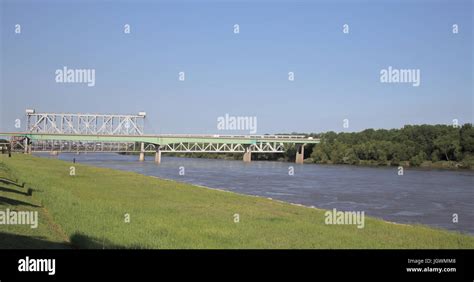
337 75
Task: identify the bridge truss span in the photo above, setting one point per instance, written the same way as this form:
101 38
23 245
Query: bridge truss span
186 147
125 147
95 124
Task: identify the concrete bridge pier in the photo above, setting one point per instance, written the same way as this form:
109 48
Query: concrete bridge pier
299 154
248 155
158 155
142 152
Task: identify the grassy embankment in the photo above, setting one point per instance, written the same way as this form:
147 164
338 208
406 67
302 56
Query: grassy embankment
88 211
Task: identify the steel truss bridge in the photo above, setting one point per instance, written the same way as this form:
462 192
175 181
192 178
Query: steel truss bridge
77 133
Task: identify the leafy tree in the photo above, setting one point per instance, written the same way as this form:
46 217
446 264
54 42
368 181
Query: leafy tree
446 145
350 157
467 138
418 159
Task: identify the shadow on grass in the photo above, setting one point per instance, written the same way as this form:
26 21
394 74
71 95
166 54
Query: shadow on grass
11 182
9 190
15 241
12 202
78 241
82 241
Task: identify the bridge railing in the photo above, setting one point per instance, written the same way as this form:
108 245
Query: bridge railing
284 137
235 136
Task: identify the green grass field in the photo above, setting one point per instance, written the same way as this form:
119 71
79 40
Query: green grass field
89 210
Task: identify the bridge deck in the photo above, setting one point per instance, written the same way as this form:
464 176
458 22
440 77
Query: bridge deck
165 139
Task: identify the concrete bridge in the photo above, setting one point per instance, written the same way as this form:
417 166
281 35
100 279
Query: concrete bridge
74 133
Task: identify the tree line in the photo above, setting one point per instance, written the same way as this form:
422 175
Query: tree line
414 145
